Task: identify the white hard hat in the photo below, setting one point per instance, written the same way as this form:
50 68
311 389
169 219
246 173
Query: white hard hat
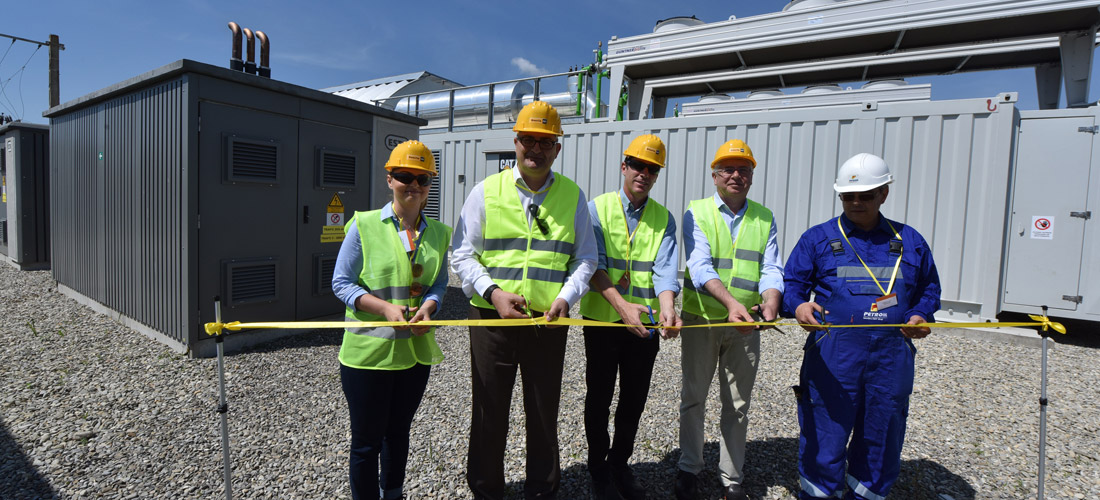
862 172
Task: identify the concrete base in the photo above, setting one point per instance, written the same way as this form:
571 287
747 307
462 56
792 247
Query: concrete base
129 322
1008 335
237 342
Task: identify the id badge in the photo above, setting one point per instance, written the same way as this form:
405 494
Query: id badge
886 302
624 281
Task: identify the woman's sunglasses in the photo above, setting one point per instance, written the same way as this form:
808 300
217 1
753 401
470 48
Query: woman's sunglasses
407 178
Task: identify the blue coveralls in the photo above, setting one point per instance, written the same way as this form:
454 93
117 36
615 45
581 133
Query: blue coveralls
855 382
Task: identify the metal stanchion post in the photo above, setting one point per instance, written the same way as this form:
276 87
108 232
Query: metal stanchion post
223 407
1043 413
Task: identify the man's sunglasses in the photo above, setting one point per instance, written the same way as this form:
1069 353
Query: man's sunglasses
407 178
641 166
529 142
533 209
864 197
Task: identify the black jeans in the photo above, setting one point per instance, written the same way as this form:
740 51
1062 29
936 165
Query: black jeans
496 354
609 352
382 404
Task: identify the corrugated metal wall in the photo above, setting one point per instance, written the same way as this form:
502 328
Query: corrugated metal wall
951 160
121 242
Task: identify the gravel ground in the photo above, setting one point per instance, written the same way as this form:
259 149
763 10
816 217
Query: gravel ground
89 408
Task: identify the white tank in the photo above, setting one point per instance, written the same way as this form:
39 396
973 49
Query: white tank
676 23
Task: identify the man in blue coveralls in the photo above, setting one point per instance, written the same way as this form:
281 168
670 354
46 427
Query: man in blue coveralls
855 382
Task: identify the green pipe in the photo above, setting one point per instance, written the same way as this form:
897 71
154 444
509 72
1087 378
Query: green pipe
599 89
624 97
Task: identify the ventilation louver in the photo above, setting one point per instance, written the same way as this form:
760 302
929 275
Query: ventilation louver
253 161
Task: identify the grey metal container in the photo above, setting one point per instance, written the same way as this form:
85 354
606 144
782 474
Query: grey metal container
193 181
24 195
971 174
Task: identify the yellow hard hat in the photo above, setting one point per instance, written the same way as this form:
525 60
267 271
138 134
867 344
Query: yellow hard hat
733 149
647 147
412 154
538 117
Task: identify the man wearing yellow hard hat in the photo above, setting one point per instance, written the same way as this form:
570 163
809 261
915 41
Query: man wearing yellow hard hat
523 247
635 281
733 267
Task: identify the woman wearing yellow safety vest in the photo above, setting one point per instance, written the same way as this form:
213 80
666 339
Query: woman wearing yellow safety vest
391 267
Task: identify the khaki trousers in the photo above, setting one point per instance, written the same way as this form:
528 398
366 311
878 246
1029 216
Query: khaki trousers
737 357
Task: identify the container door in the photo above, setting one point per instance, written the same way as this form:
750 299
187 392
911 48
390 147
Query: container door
1045 240
333 182
247 213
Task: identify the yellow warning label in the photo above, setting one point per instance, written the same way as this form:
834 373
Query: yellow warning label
332 234
335 205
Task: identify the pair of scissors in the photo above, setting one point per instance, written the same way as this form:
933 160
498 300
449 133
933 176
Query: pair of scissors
652 321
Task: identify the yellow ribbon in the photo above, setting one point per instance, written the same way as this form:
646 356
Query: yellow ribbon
219 328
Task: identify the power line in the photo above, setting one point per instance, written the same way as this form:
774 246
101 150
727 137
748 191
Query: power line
4 87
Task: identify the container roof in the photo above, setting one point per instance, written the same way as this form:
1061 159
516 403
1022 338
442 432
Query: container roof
185 66
892 37
379 90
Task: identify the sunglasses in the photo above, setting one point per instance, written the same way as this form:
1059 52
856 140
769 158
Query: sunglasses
864 197
641 166
529 142
533 209
407 178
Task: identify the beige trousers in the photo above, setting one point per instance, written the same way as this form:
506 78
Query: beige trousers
737 357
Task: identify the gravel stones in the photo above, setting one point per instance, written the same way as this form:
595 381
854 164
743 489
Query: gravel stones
91 409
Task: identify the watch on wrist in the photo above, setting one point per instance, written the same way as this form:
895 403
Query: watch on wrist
488 295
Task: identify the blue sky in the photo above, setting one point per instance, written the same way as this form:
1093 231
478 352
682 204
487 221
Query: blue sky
325 44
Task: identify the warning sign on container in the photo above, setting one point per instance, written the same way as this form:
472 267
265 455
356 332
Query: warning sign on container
332 234
335 205
1042 227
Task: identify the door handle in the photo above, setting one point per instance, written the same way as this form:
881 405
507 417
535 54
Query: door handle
305 214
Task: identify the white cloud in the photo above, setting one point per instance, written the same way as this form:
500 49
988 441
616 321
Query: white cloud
527 67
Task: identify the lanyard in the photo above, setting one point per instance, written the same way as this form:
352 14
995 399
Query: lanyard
630 234
630 239
896 264
397 222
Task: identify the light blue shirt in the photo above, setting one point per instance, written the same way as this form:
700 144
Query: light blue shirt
664 266
349 264
698 249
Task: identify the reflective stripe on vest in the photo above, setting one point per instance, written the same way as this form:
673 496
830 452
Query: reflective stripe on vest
387 273
641 253
741 274
518 257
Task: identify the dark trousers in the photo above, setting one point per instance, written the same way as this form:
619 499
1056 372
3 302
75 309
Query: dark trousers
381 405
495 356
609 351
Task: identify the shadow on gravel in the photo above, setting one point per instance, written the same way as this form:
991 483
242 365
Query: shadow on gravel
20 479
769 464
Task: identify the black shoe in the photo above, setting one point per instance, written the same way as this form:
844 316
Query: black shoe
628 486
735 492
687 485
603 488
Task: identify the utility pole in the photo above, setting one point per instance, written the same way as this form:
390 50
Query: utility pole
55 71
55 64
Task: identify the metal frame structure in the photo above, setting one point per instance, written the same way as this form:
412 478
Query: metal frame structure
860 40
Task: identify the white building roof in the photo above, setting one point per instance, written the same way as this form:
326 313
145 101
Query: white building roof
379 90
